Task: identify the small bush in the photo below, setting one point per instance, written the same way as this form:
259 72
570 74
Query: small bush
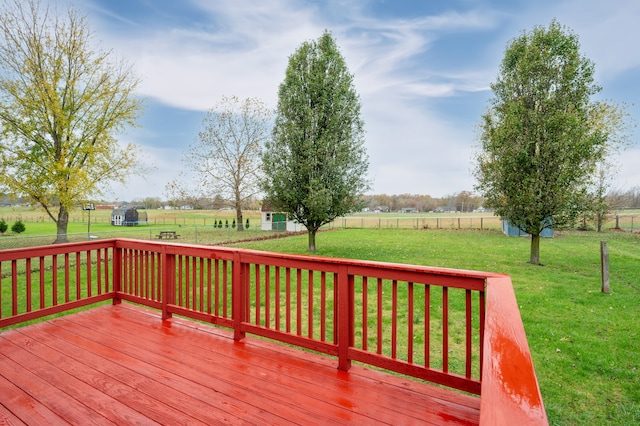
18 227
3 226
247 224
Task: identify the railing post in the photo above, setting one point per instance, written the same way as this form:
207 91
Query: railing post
117 274
345 318
238 295
168 282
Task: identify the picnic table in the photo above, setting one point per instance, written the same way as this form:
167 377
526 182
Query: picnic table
167 235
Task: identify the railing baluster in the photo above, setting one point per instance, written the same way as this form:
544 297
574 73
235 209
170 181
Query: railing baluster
147 275
42 291
310 304
257 286
194 281
379 322
209 286
365 310
277 297
216 289
54 281
481 302
288 296
67 267
427 326
14 287
323 306
394 318
299 302
445 329
225 283
99 270
106 270
89 269
78 279
410 323
469 332
267 296
28 284
179 283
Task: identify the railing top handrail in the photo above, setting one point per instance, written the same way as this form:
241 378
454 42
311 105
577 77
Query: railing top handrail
54 249
264 257
510 391
246 255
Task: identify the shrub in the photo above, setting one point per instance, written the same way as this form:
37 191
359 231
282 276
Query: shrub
247 224
18 227
3 226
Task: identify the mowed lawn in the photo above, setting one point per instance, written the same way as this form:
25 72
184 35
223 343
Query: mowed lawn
585 344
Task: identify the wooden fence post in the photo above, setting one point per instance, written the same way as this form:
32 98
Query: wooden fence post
604 260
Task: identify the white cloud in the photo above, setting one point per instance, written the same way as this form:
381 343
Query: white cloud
242 50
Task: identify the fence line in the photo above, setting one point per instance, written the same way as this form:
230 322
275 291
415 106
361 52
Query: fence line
210 235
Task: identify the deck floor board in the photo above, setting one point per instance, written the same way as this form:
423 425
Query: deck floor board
123 365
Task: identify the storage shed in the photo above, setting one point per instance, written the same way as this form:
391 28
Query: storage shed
278 221
128 217
513 231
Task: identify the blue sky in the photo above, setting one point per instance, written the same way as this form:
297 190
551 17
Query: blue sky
422 69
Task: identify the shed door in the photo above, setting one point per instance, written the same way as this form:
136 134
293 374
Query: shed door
279 222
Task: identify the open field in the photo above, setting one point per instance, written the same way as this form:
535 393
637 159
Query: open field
584 343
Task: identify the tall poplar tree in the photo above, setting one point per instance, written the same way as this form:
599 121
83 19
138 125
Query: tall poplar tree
62 102
539 147
316 163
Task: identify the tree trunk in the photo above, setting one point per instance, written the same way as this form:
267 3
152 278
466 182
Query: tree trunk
312 240
239 219
61 225
599 221
534 258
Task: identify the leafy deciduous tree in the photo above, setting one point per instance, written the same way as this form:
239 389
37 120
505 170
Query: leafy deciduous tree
61 104
615 123
539 147
226 156
316 164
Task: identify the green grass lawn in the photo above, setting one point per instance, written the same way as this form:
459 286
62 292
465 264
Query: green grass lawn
584 343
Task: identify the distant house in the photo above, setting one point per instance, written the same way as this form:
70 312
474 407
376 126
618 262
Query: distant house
409 210
128 217
277 221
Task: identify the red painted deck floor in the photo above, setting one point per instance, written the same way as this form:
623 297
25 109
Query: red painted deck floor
123 365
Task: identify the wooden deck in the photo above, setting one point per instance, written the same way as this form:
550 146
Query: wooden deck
123 365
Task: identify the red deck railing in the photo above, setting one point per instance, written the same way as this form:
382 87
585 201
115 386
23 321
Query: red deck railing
461 329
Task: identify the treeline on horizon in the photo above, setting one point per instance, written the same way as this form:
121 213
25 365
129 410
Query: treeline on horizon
464 201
